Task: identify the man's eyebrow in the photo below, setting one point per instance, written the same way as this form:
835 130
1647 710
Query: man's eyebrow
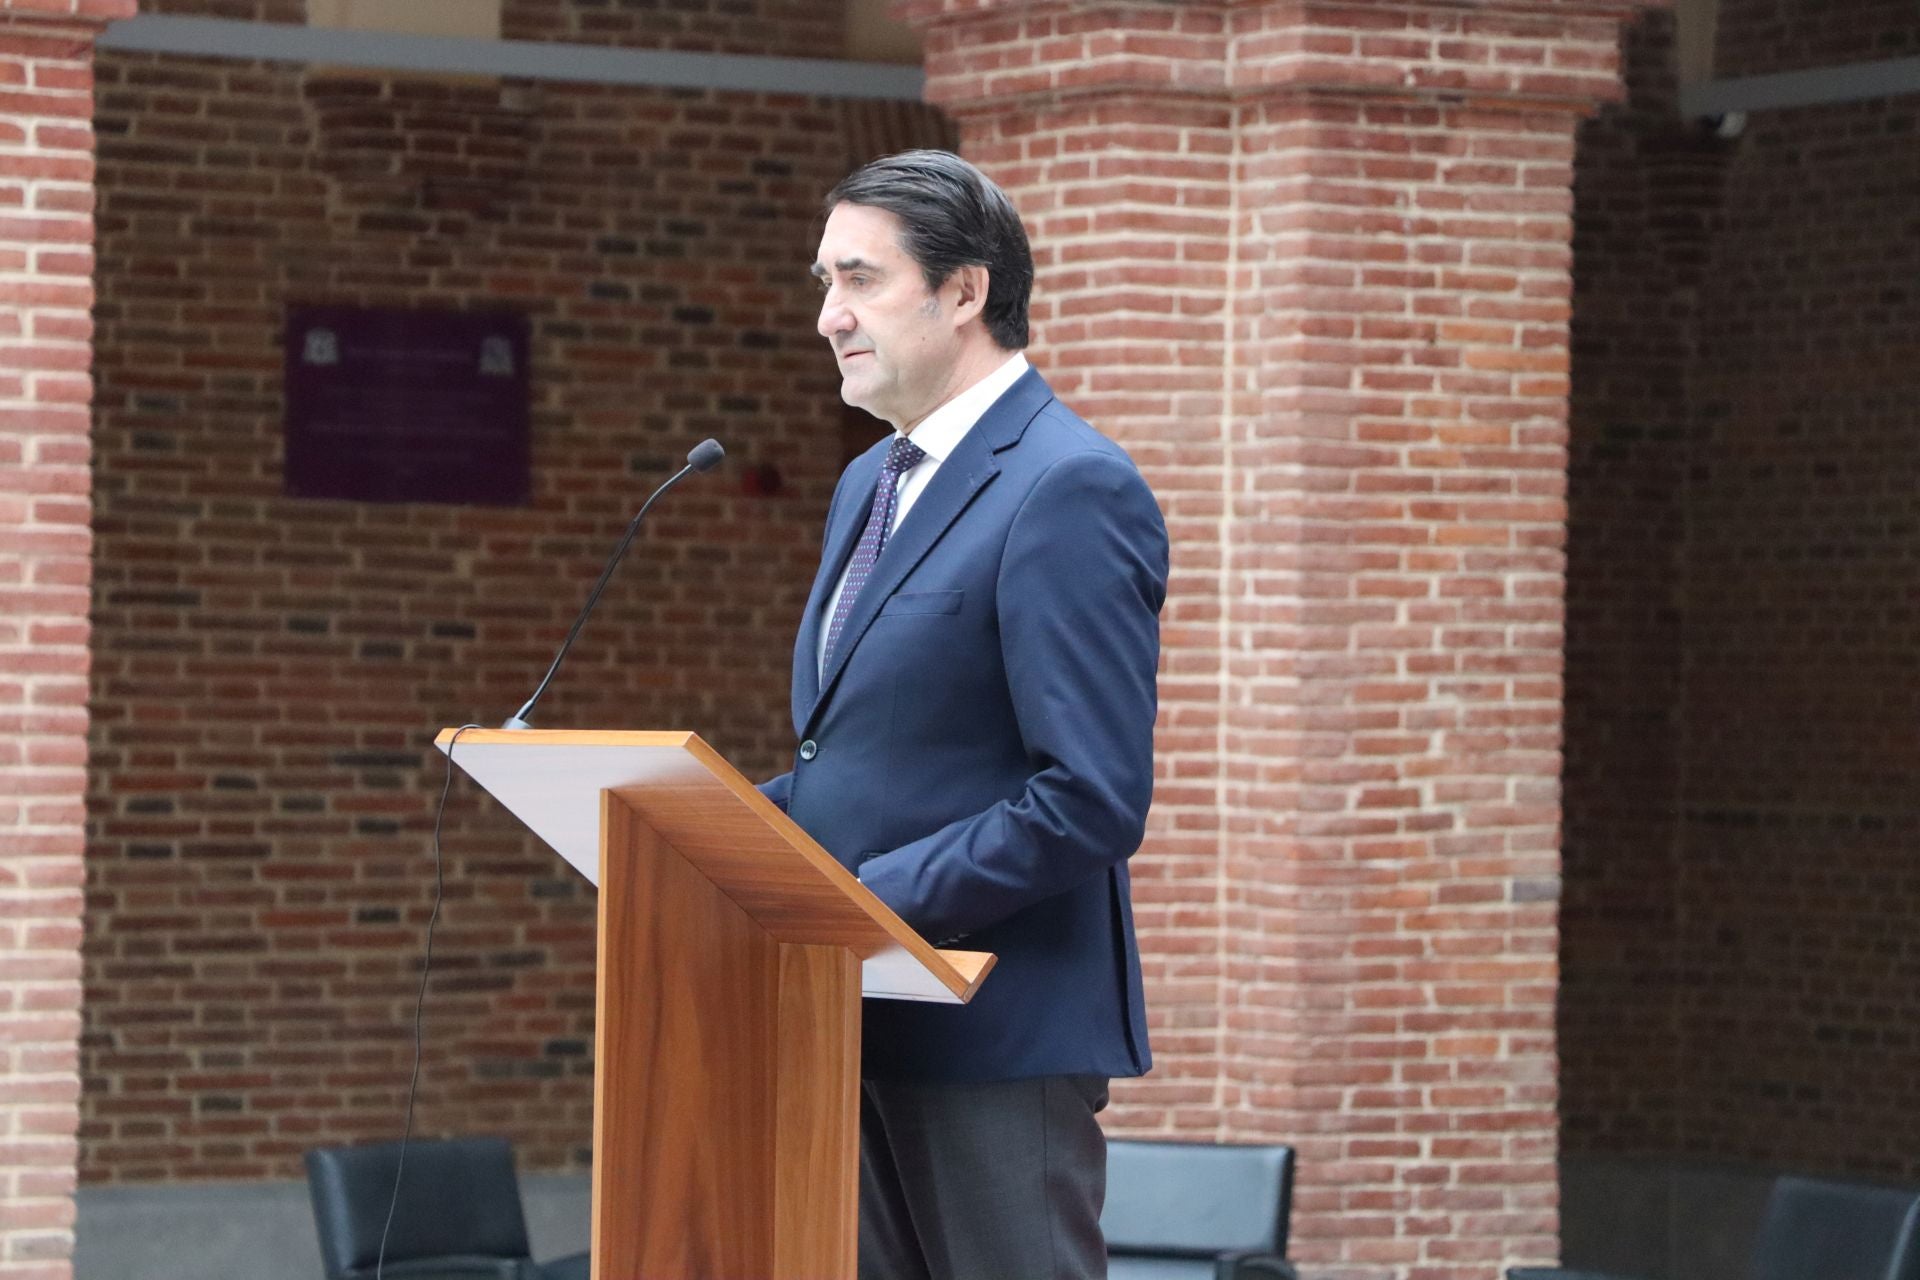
846 264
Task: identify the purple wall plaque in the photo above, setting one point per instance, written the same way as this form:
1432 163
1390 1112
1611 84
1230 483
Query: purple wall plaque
386 405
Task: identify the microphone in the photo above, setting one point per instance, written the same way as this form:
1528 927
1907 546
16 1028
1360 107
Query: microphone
704 456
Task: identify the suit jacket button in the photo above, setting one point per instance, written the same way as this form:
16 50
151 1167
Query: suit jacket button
809 749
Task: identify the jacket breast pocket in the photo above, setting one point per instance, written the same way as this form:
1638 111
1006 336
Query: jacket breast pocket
922 602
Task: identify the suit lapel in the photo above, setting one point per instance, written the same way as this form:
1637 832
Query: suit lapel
964 473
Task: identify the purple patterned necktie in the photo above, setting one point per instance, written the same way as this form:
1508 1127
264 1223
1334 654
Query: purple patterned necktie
901 458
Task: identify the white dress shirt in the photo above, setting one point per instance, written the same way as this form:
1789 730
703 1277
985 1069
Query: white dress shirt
938 434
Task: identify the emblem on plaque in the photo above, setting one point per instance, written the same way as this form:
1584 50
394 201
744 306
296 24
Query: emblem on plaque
496 357
322 347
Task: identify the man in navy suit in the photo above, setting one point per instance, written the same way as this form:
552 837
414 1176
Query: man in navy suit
973 694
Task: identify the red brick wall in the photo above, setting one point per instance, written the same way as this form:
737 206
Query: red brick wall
1802 711
1324 302
1758 37
46 258
290 11
1645 196
780 28
1331 325
1743 767
268 672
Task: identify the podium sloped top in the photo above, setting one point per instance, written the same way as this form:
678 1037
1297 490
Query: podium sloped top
712 816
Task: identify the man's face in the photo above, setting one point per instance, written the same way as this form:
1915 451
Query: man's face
895 341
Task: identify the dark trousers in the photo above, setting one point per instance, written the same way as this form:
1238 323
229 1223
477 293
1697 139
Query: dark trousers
995 1181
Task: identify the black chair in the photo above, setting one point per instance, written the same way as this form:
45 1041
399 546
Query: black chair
458 1217
1816 1229
1197 1211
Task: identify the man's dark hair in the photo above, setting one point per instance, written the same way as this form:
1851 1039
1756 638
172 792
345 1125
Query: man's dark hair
954 216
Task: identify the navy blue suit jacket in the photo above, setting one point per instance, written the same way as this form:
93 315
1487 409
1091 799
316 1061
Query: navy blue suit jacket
982 738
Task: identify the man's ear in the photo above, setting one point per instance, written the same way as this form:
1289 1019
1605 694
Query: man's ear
970 293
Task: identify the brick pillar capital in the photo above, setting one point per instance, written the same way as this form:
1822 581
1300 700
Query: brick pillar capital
985 56
929 13
68 11
63 19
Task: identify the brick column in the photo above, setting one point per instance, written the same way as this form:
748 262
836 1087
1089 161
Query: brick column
1311 264
46 289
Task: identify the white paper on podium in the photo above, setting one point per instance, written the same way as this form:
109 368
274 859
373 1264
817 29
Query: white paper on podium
541 787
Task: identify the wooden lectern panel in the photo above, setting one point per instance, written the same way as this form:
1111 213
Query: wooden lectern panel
683 1070
726 1081
817 1112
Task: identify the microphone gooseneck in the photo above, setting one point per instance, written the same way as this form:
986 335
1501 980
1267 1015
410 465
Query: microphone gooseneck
704 456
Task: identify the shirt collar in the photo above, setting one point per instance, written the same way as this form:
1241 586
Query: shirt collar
943 429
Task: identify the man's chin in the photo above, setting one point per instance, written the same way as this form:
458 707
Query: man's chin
855 393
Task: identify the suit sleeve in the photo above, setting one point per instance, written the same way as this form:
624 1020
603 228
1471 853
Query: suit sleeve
777 789
1080 587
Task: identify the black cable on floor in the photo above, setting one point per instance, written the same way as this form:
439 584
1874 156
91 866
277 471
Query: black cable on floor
420 1002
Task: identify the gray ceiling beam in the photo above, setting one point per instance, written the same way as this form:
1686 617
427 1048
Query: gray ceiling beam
518 59
1855 82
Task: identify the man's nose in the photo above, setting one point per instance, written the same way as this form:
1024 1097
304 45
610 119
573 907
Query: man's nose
834 317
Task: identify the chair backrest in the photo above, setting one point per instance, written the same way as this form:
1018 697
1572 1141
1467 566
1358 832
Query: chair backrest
1816 1229
459 1197
1196 1199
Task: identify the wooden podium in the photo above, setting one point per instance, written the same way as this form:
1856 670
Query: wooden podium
733 954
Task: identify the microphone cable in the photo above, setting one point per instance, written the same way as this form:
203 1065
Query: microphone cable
704 456
420 1002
